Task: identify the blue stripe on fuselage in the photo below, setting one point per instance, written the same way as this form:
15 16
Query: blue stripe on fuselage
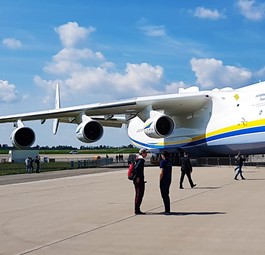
203 141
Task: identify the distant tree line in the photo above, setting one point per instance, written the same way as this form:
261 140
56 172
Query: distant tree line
67 147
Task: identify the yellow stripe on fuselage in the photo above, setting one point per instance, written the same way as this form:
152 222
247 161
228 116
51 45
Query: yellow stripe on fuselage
246 124
242 125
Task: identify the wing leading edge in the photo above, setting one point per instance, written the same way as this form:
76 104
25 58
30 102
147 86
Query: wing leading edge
154 111
171 104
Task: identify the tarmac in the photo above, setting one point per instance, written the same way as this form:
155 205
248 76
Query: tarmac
80 212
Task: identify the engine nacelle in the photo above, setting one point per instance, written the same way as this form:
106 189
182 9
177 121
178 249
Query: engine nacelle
159 127
89 132
22 137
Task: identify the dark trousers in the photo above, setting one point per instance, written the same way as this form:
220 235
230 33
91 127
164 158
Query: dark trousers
239 171
183 173
139 194
164 189
37 169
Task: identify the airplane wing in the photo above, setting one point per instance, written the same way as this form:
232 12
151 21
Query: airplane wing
91 118
172 104
70 114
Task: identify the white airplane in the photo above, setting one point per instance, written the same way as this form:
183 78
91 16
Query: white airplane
203 123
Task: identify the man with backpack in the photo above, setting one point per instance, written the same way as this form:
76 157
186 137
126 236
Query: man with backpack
138 181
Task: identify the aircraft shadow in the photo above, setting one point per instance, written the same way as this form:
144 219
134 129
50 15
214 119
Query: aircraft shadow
186 213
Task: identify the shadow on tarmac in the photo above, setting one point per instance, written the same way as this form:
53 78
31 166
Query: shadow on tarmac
207 187
252 179
186 213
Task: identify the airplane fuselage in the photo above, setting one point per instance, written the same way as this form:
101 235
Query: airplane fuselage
228 122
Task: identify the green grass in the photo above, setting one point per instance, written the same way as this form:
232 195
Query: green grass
20 168
98 151
7 168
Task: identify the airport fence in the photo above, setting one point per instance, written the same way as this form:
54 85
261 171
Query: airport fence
91 163
227 161
75 163
202 162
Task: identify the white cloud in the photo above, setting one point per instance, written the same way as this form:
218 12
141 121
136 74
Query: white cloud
8 92
251 10
71 33
70 59
139 77
85 72
154 31
174 87
261 73
136 77
86 83
212 73
203 13
12 43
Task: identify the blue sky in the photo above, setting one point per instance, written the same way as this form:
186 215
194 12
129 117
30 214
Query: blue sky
110 50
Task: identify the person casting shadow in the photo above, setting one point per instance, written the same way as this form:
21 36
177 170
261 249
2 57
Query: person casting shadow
240 160
186 169
165 180
139 182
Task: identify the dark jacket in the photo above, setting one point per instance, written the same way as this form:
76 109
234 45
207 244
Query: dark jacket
185 164
139 168
240 160
167 175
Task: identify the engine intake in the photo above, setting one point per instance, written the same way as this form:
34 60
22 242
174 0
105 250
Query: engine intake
89 132
159 126
22 137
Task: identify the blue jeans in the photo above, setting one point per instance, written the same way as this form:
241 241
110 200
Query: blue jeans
239 171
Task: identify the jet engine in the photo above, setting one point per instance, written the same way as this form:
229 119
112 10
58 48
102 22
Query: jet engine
22 137
159 127
89 131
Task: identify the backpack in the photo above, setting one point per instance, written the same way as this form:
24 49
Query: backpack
131 171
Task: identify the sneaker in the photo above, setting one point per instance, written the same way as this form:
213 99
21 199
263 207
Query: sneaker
235 178
181 187
194 185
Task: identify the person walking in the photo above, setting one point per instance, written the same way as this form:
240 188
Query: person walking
240 161
186 169
165 180
139 182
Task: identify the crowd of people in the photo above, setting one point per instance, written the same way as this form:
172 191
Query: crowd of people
30 162
119 158
166 176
